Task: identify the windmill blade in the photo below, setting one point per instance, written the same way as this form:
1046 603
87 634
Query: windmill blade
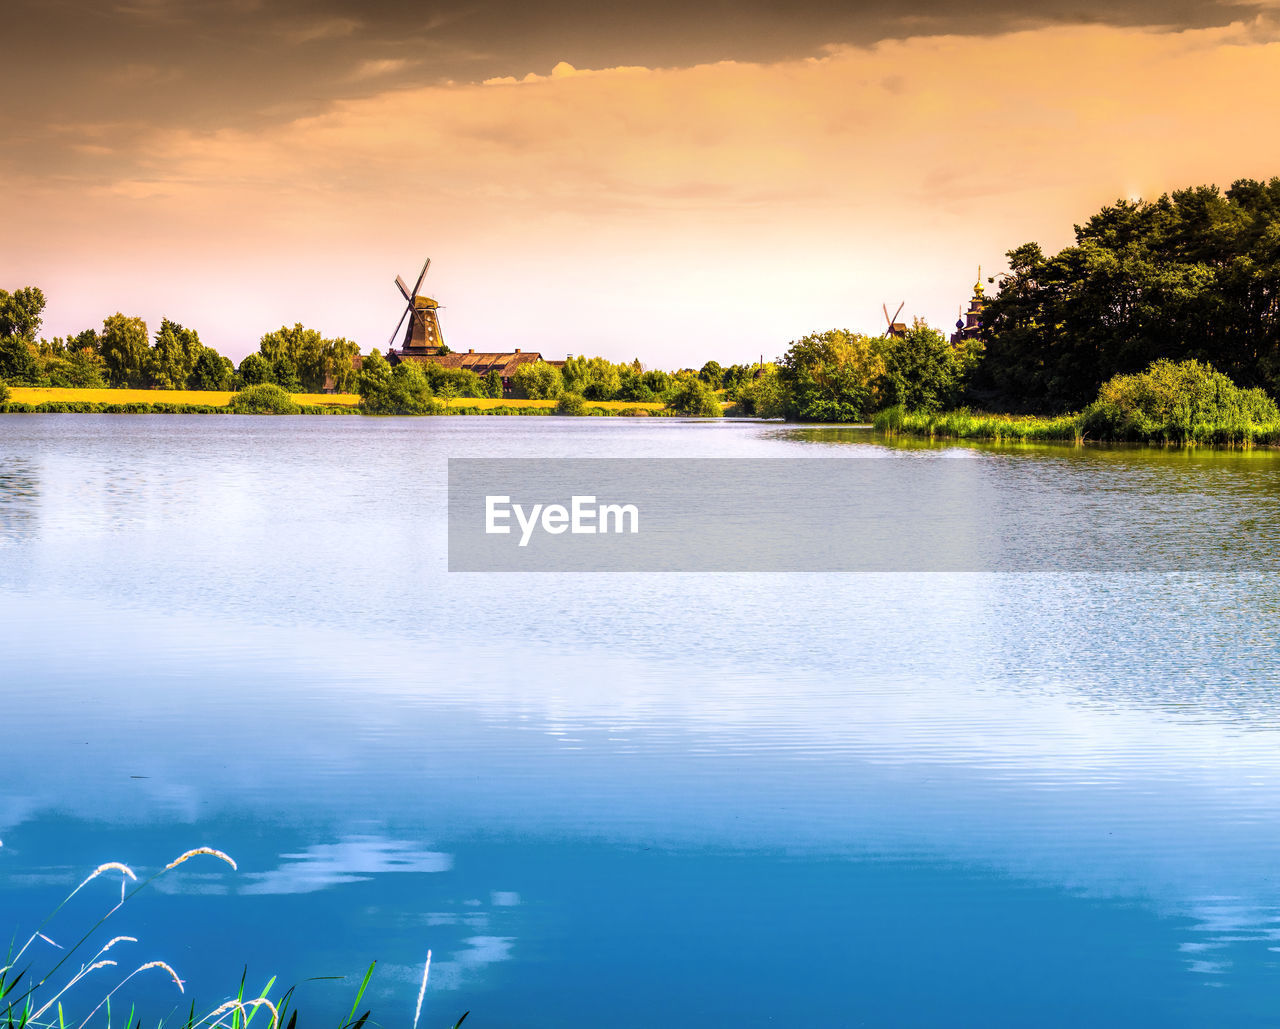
898 312
396 331
404 290
421 275
887 320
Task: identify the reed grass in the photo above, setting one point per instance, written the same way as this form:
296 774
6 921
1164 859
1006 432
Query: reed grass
35 1000
966 424
1088 426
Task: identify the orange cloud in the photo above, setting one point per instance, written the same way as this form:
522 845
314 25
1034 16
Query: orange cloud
727 207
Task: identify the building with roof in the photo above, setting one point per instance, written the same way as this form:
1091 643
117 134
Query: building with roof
424 342
969 324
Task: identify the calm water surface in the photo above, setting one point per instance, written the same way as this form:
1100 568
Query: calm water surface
628 800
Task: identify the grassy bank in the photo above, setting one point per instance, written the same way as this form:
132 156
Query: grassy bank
965 424
1075 428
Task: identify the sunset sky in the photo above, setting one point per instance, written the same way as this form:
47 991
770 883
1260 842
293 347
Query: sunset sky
672 180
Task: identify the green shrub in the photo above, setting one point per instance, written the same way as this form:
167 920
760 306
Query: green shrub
537 381
1186 402
571 404
5 394
693 398
264 398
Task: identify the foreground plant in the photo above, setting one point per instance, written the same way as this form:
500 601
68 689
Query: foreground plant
35 1001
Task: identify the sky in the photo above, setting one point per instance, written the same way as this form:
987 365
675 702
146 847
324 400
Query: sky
677 181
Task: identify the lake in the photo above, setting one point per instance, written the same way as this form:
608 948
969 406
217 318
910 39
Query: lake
718 799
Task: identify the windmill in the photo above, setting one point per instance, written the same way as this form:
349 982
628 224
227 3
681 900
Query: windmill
424 326
893 327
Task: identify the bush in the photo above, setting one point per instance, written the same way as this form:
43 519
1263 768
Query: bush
571 404
693 398
1186 402
537 381
5 394
265 398
834 376
762 396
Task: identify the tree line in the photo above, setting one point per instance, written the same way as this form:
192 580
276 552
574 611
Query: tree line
1192 276
124 354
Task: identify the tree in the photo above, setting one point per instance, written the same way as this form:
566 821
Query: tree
493 384
1190 276
285 374
76 368
763 395
211 371
21 312
173 356
123 345
711 374
833 376
694 398
594 377
339 356
923 371
255 370
537 381
400 390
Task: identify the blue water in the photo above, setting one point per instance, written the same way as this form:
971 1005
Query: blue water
624 800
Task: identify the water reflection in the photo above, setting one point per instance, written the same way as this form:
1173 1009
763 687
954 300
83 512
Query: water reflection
747 789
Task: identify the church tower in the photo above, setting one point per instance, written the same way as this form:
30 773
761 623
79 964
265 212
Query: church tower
969 324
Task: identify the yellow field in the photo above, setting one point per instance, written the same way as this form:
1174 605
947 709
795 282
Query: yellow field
220 398
485 402
213 398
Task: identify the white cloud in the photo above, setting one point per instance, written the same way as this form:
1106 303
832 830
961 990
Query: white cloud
352 859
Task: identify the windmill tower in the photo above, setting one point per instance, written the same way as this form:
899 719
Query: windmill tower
423 336
893 327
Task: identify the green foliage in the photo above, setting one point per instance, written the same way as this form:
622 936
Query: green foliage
79 368
21 312
255 370
493 384
284 373
453 382
571 404
762 396
712 374
1185 402
596 378
5 392
923 371
265 398
18 363
1191 276
966 424
632 386
123 346
833 376
694 398
403 389
302 360
173 356
211 371
537 381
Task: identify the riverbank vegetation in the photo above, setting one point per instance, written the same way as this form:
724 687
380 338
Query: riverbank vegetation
1160 323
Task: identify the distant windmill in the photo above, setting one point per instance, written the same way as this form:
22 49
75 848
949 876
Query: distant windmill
893 327
424 327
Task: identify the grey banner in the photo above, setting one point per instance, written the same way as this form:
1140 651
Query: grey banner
908 514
